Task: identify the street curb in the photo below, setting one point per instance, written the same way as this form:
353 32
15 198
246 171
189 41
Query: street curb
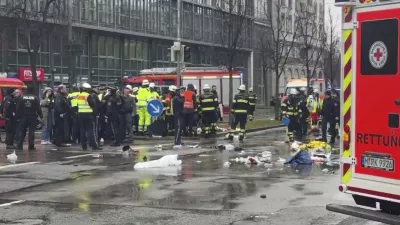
221 134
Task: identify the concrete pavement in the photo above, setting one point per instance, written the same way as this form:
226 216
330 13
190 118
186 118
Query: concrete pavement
69 186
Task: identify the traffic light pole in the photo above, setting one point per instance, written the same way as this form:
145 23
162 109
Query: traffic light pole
179 59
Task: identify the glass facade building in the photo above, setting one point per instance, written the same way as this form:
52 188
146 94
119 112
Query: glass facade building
122 37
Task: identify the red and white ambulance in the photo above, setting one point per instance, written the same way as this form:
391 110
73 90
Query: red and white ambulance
370 151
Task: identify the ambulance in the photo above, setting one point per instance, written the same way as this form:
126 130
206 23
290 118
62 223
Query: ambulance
370 140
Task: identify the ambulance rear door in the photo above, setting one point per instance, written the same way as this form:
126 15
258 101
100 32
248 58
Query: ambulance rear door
375 116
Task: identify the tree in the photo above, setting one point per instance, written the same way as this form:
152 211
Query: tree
232 17
276 44
312 38
34 21
331 57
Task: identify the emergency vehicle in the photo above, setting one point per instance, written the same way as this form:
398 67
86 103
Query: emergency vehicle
6 83
198 76
370 148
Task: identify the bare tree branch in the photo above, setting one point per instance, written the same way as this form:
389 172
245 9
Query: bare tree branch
331 57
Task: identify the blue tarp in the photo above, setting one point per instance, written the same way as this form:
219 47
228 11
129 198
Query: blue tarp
300 158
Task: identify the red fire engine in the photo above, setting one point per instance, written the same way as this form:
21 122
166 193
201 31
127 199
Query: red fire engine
370 151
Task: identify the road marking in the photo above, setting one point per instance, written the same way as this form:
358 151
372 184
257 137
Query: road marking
19 164
11 203
78 156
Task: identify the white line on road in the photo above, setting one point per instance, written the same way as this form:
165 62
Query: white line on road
78 156
11 203
19 164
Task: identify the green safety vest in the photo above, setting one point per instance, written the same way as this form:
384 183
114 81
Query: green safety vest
83 105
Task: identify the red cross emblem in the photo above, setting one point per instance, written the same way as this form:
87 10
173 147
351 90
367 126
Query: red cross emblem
378 54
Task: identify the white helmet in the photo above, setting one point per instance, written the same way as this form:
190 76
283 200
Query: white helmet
316 91
206 87
145 82
195 87
152 85
251 89
292 91
172 88
242 87
129 87
86 85
303 89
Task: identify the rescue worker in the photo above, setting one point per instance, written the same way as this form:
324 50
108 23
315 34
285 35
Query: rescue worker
252 100
290 109
208 104
94 93
74 113
102 108
177 108
336 117
28 111
189 107
128 107
9 110
169 116
135 112
153 95
61 109
239 111
86 110
313 105
328 116
114 110
143 97
303 110
218 112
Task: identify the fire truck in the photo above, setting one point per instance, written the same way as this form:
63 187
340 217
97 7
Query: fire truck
370 123
198 76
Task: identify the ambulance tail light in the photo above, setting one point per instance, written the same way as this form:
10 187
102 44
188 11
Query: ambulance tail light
346 137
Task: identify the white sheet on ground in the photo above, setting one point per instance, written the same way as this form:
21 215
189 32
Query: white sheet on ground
165 161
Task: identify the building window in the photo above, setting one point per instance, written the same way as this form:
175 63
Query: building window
187 20
198 23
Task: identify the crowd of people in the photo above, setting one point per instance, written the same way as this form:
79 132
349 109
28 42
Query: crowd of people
91 115
311 112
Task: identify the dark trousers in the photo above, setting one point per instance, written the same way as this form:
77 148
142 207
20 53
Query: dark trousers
102 126
128 126
208 118
332 129
304 125
188 119
294 128
30 123
117 127
10 131
240 119
59 130
75 127
169 119
87 130
178 121
136 123
67 122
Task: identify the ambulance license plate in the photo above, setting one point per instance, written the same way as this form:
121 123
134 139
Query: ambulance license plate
377 162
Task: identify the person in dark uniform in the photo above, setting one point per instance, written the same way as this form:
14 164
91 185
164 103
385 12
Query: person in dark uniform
177 108
95 95
74 113
290 109
169 114
28 111
114 110
252 100
9 110
239 110
218 112
86 110
208 105
304 113
102 108
17 98
61 108
328 110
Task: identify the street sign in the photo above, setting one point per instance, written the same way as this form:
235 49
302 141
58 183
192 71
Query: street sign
155 108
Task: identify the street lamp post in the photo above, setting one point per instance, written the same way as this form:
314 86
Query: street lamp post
91 75
53 71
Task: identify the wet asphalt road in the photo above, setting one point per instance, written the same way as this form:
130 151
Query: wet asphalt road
68 186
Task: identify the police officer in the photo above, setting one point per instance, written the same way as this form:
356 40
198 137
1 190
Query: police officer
208 104
61 109
252 100
177 108
28 111
290 109
9 110
239 110
169 115
114 110
74 113
86 109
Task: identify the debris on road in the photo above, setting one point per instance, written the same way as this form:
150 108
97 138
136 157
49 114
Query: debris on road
227 164
263 196
193 146
158 147
97 156
227 147
204 155
165 161
12 157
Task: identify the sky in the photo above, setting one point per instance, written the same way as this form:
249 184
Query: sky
335 12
